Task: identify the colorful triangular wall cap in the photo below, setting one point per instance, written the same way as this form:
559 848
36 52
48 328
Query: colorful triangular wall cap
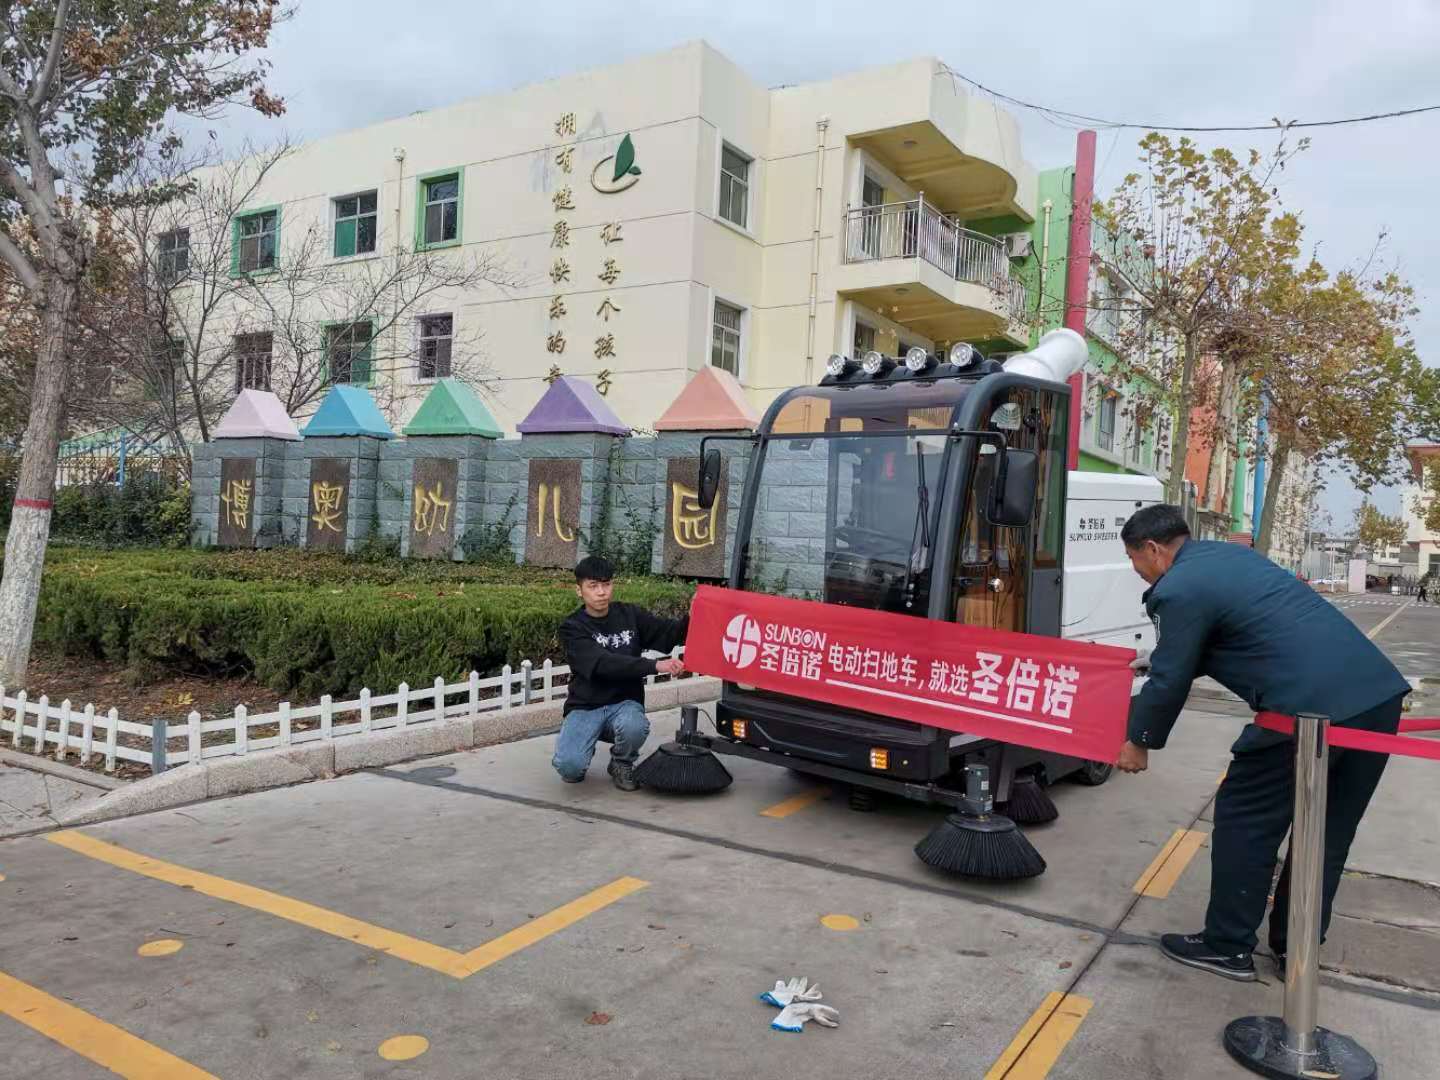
348 410
452 408
256 414
711 401
571 405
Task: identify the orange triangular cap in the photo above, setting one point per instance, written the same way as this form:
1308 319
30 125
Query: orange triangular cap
711 401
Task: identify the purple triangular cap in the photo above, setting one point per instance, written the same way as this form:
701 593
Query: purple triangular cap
571 405
256 414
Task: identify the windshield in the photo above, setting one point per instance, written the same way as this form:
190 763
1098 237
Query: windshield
847 520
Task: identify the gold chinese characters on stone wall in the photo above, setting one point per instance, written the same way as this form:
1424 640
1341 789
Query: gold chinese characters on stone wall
553 520
237 503
694 536
433 507
329 505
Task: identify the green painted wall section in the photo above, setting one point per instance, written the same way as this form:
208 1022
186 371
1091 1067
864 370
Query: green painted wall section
1089 463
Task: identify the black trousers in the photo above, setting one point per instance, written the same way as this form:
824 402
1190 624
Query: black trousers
1252 815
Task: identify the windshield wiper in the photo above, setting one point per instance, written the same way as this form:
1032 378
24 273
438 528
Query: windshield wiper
916 559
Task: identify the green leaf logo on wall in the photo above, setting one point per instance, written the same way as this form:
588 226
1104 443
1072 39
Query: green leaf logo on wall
623 174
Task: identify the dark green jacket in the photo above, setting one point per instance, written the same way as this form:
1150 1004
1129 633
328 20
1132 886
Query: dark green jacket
1224 611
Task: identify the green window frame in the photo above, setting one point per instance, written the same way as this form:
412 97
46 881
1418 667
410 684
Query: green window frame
439 209
357 224
350 352
255 240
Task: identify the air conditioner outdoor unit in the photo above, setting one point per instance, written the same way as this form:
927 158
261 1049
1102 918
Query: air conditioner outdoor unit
1017 245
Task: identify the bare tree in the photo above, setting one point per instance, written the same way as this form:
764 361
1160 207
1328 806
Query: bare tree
201 328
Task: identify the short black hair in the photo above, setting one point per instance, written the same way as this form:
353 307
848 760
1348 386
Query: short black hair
594 568
1161 523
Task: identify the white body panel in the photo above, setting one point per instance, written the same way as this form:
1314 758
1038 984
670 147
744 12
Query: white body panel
1102 591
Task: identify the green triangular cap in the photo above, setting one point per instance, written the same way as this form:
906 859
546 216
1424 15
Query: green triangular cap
452 408
348 410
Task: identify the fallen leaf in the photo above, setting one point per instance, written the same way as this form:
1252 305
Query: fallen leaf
595 1019
655 926
1065 964
333 1046
312 1016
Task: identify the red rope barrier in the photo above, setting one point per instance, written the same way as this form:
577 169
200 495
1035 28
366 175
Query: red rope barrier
1374 741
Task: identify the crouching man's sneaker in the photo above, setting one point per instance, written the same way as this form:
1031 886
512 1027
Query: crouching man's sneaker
623 774
1191 950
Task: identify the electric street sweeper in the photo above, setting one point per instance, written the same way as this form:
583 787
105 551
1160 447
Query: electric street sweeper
934 487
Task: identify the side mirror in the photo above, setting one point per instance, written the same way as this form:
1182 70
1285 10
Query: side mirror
709 484
1013 492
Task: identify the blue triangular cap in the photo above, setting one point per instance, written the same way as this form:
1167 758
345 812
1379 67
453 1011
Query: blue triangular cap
348 410
571 405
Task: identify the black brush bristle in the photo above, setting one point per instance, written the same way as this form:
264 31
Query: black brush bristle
1030 804
685 770
988 847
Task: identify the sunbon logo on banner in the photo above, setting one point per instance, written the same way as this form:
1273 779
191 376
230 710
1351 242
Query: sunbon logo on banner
1069 697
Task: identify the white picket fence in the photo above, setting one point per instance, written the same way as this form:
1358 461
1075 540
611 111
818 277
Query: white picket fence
37 725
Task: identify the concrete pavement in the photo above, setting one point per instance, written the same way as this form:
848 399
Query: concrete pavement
524 928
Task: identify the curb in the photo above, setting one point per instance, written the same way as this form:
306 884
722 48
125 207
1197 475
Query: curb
265 769
36 763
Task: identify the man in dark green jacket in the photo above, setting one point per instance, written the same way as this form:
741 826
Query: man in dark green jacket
1224 611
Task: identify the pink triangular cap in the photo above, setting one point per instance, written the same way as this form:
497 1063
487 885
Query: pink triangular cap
256 414
711 401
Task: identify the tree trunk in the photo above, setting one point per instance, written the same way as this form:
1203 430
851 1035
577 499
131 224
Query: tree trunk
1175 488
30 518
1268 511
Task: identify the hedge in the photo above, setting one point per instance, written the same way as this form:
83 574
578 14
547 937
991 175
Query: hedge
310 624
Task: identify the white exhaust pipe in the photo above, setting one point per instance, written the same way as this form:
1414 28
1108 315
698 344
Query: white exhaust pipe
1060 354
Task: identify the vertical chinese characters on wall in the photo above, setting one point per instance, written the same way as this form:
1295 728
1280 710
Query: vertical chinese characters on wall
432 508
329 510
552 533
237 502
562 200
694 536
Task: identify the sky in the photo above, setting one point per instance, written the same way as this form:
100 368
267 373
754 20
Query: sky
346 63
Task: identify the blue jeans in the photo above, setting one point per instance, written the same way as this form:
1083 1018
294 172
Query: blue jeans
624 725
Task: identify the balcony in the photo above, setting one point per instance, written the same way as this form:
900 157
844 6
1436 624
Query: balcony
916 265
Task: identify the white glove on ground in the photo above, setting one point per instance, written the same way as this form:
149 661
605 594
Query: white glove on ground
792 1018
797 989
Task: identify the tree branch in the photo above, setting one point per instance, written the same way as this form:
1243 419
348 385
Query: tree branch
19 265
52 57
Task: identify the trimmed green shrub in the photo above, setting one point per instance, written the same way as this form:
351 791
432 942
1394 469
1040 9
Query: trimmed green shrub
310 624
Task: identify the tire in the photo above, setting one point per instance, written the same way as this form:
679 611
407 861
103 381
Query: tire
1092 773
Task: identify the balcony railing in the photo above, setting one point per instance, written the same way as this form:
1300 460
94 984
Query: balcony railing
915 229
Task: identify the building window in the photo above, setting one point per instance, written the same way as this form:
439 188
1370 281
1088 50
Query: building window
864 339
355 221
437 335
735 187
348 352
257 240
1105 422
252 361
725 337
440 209
1105 320
173 254
161 381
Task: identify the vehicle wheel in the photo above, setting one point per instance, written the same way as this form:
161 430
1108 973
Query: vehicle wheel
1092 773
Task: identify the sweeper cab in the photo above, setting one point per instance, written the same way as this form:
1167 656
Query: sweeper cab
934 487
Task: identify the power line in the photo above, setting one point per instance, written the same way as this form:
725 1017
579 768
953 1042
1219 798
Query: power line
1064 117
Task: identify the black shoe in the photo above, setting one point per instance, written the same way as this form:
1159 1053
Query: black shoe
1279 959
574 780
623 774
1191 950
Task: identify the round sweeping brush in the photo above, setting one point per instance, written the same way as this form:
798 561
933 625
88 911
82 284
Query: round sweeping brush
684 770
1030 804
976 842
987 846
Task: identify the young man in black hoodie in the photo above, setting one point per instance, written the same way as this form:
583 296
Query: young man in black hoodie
603 641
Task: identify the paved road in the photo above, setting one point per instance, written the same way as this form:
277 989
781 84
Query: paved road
501 924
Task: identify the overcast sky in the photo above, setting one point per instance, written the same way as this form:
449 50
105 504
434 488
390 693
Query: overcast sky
346 63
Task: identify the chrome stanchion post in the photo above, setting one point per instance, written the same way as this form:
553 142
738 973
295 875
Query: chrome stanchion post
1295 1045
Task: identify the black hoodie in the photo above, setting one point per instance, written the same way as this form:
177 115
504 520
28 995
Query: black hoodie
606 667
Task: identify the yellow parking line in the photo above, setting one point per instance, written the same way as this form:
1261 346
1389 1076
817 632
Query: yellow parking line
1165 869
105 1044
795 802
1034 1051
402 946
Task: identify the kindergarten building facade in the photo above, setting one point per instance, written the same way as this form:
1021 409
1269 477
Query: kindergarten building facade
662 215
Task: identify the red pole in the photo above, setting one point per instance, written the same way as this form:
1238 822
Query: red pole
1077 274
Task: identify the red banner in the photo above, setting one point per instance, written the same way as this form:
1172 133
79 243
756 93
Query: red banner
1070 697
1376 742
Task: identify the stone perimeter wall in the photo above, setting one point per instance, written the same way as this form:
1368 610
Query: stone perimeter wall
492 489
